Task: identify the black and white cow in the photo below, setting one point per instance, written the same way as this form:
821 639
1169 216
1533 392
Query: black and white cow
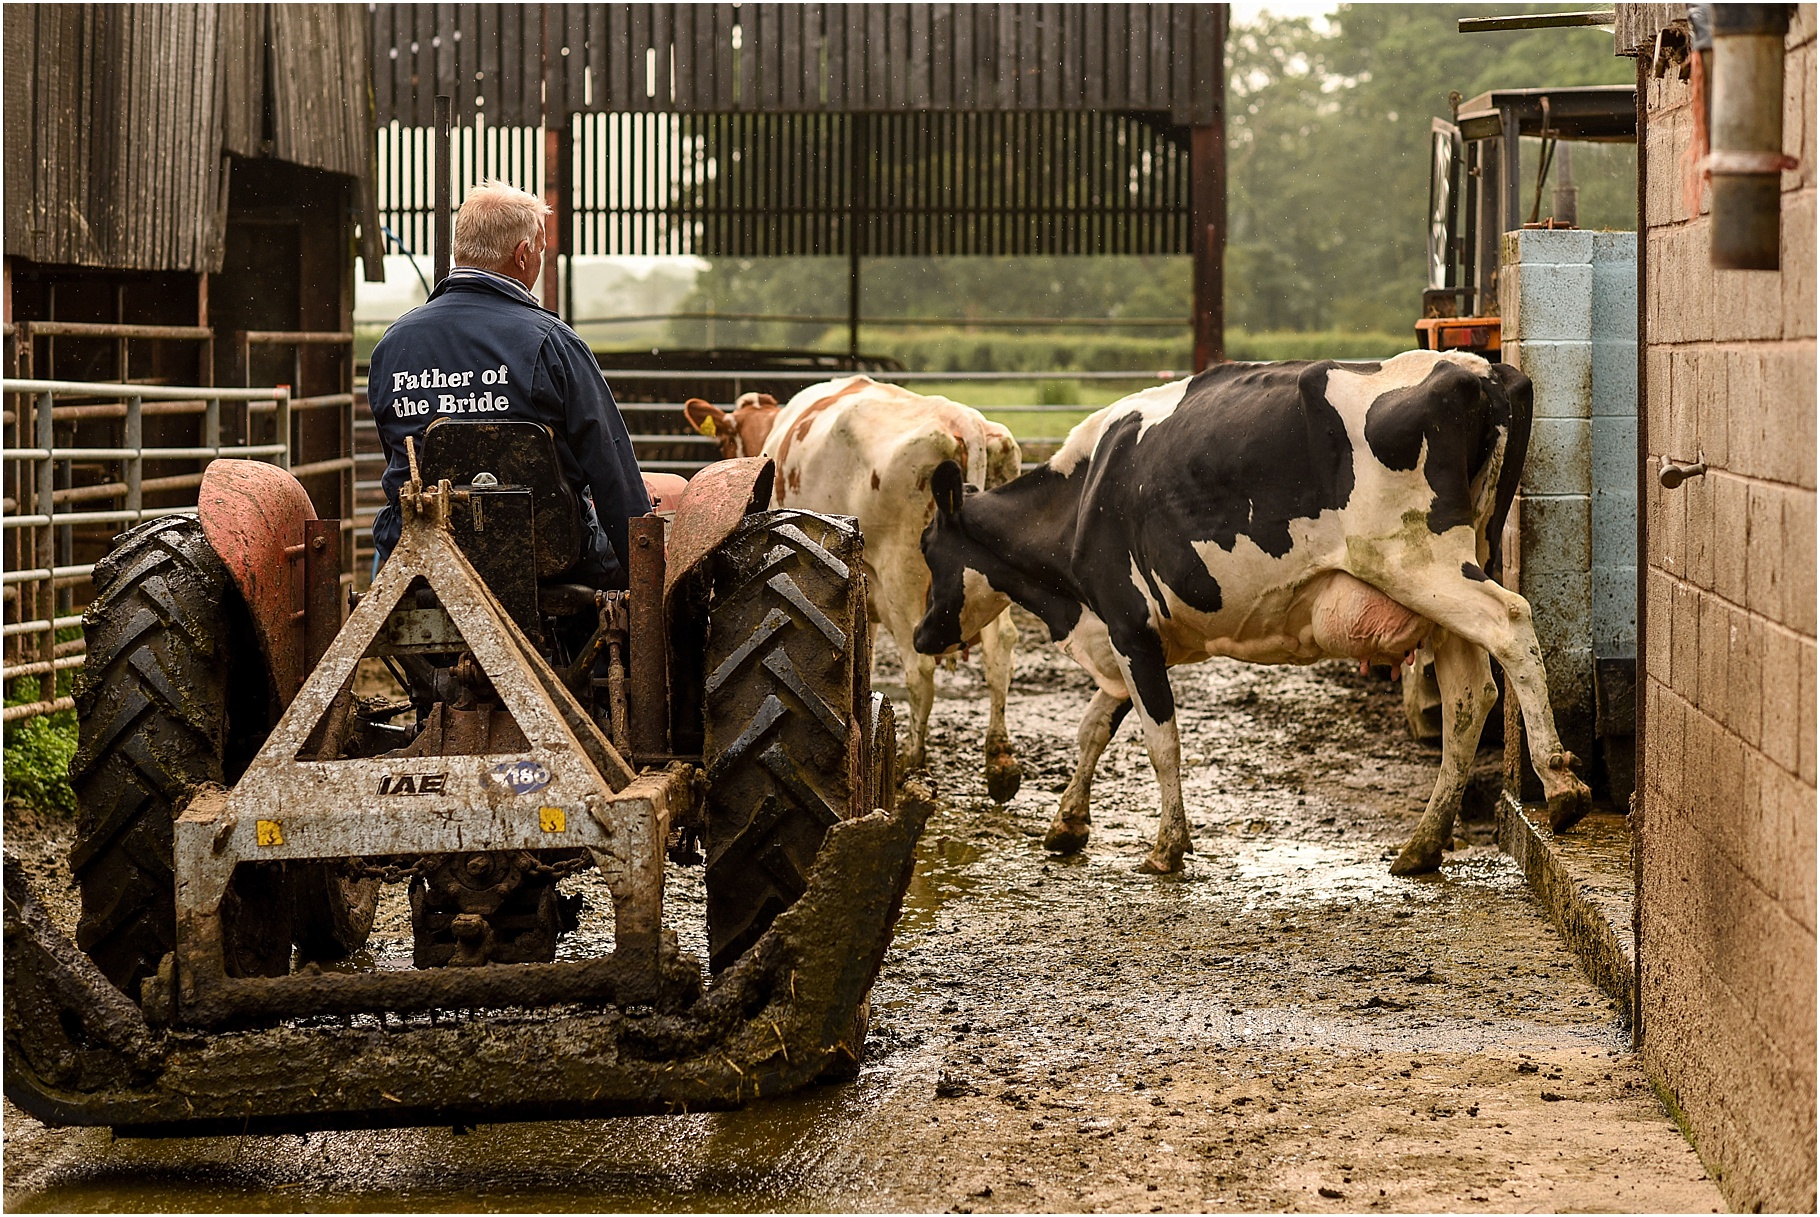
1277 513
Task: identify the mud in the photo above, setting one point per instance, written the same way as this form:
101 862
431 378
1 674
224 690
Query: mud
1283 1026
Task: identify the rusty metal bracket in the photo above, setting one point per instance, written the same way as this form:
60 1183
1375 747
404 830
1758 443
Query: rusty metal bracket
624 833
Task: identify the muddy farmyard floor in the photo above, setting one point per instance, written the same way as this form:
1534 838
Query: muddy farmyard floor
1283 1027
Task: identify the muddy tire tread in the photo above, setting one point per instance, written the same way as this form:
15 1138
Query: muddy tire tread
151 708
787 704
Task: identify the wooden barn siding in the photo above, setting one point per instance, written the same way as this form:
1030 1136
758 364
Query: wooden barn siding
117 118
793 57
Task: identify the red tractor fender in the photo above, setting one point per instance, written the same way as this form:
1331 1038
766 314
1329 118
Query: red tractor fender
253 515
665 490
716 500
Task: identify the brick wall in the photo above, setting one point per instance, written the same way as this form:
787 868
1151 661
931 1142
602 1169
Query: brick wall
1727 879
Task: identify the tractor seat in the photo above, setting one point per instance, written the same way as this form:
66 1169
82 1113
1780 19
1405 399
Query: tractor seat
517 452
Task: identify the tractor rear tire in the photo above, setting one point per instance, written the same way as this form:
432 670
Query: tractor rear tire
158 712
152 708
787 705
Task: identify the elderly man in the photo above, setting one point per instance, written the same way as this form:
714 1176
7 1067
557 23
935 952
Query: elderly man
481 347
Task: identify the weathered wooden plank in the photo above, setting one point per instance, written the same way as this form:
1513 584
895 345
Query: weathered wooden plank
1137 56
404 64
383 64
612 74
746 54
1006 62
725 62
443 51
19 151
1116 64
878 57
1159 57
574 59
791 77
1029 55
762 22
641 90
662 97
853 56
966 62
920 91
190 167
1049 42
683 51
392 46
941 56
1181 62
1071 39
815 76
423 64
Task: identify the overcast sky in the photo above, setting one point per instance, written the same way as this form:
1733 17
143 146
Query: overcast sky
1244 12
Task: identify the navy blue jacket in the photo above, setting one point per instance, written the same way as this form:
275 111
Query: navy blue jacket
481 347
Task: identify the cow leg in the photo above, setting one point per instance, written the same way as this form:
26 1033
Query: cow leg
1164 743
1003 773
919 680
1142 663
1463 672
1499 621
1073 820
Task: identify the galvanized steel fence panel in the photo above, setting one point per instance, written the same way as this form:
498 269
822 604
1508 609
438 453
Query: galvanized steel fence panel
64 489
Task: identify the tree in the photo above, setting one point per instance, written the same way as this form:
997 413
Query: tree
1327 136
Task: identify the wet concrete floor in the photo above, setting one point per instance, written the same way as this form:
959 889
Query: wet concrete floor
1284 1026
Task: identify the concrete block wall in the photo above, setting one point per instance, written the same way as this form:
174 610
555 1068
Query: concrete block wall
1726 842
1568 300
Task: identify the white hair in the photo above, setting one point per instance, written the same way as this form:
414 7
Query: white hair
493 219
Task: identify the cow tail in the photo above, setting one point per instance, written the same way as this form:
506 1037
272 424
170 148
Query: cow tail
1518 406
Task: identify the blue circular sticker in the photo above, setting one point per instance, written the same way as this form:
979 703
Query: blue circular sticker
522 776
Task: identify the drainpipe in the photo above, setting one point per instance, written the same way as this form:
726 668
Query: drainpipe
1746 160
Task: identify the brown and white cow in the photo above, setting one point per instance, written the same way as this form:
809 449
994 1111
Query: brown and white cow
1278 513
861 448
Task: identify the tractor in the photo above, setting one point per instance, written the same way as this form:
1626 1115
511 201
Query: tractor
247 798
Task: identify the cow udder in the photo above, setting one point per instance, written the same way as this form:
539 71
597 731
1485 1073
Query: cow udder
1355 620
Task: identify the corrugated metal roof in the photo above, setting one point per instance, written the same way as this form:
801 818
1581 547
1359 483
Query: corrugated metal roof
117 118
794 58
101 136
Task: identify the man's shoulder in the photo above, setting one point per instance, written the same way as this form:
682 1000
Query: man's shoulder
450 312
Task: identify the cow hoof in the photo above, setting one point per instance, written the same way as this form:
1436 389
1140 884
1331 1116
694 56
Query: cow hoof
1416 861
1159 864
1003 778
1066 838
1568 808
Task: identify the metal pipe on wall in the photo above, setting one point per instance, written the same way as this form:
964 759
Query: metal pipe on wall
1746 159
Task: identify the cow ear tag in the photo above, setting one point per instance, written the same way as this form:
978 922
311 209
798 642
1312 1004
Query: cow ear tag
707 424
